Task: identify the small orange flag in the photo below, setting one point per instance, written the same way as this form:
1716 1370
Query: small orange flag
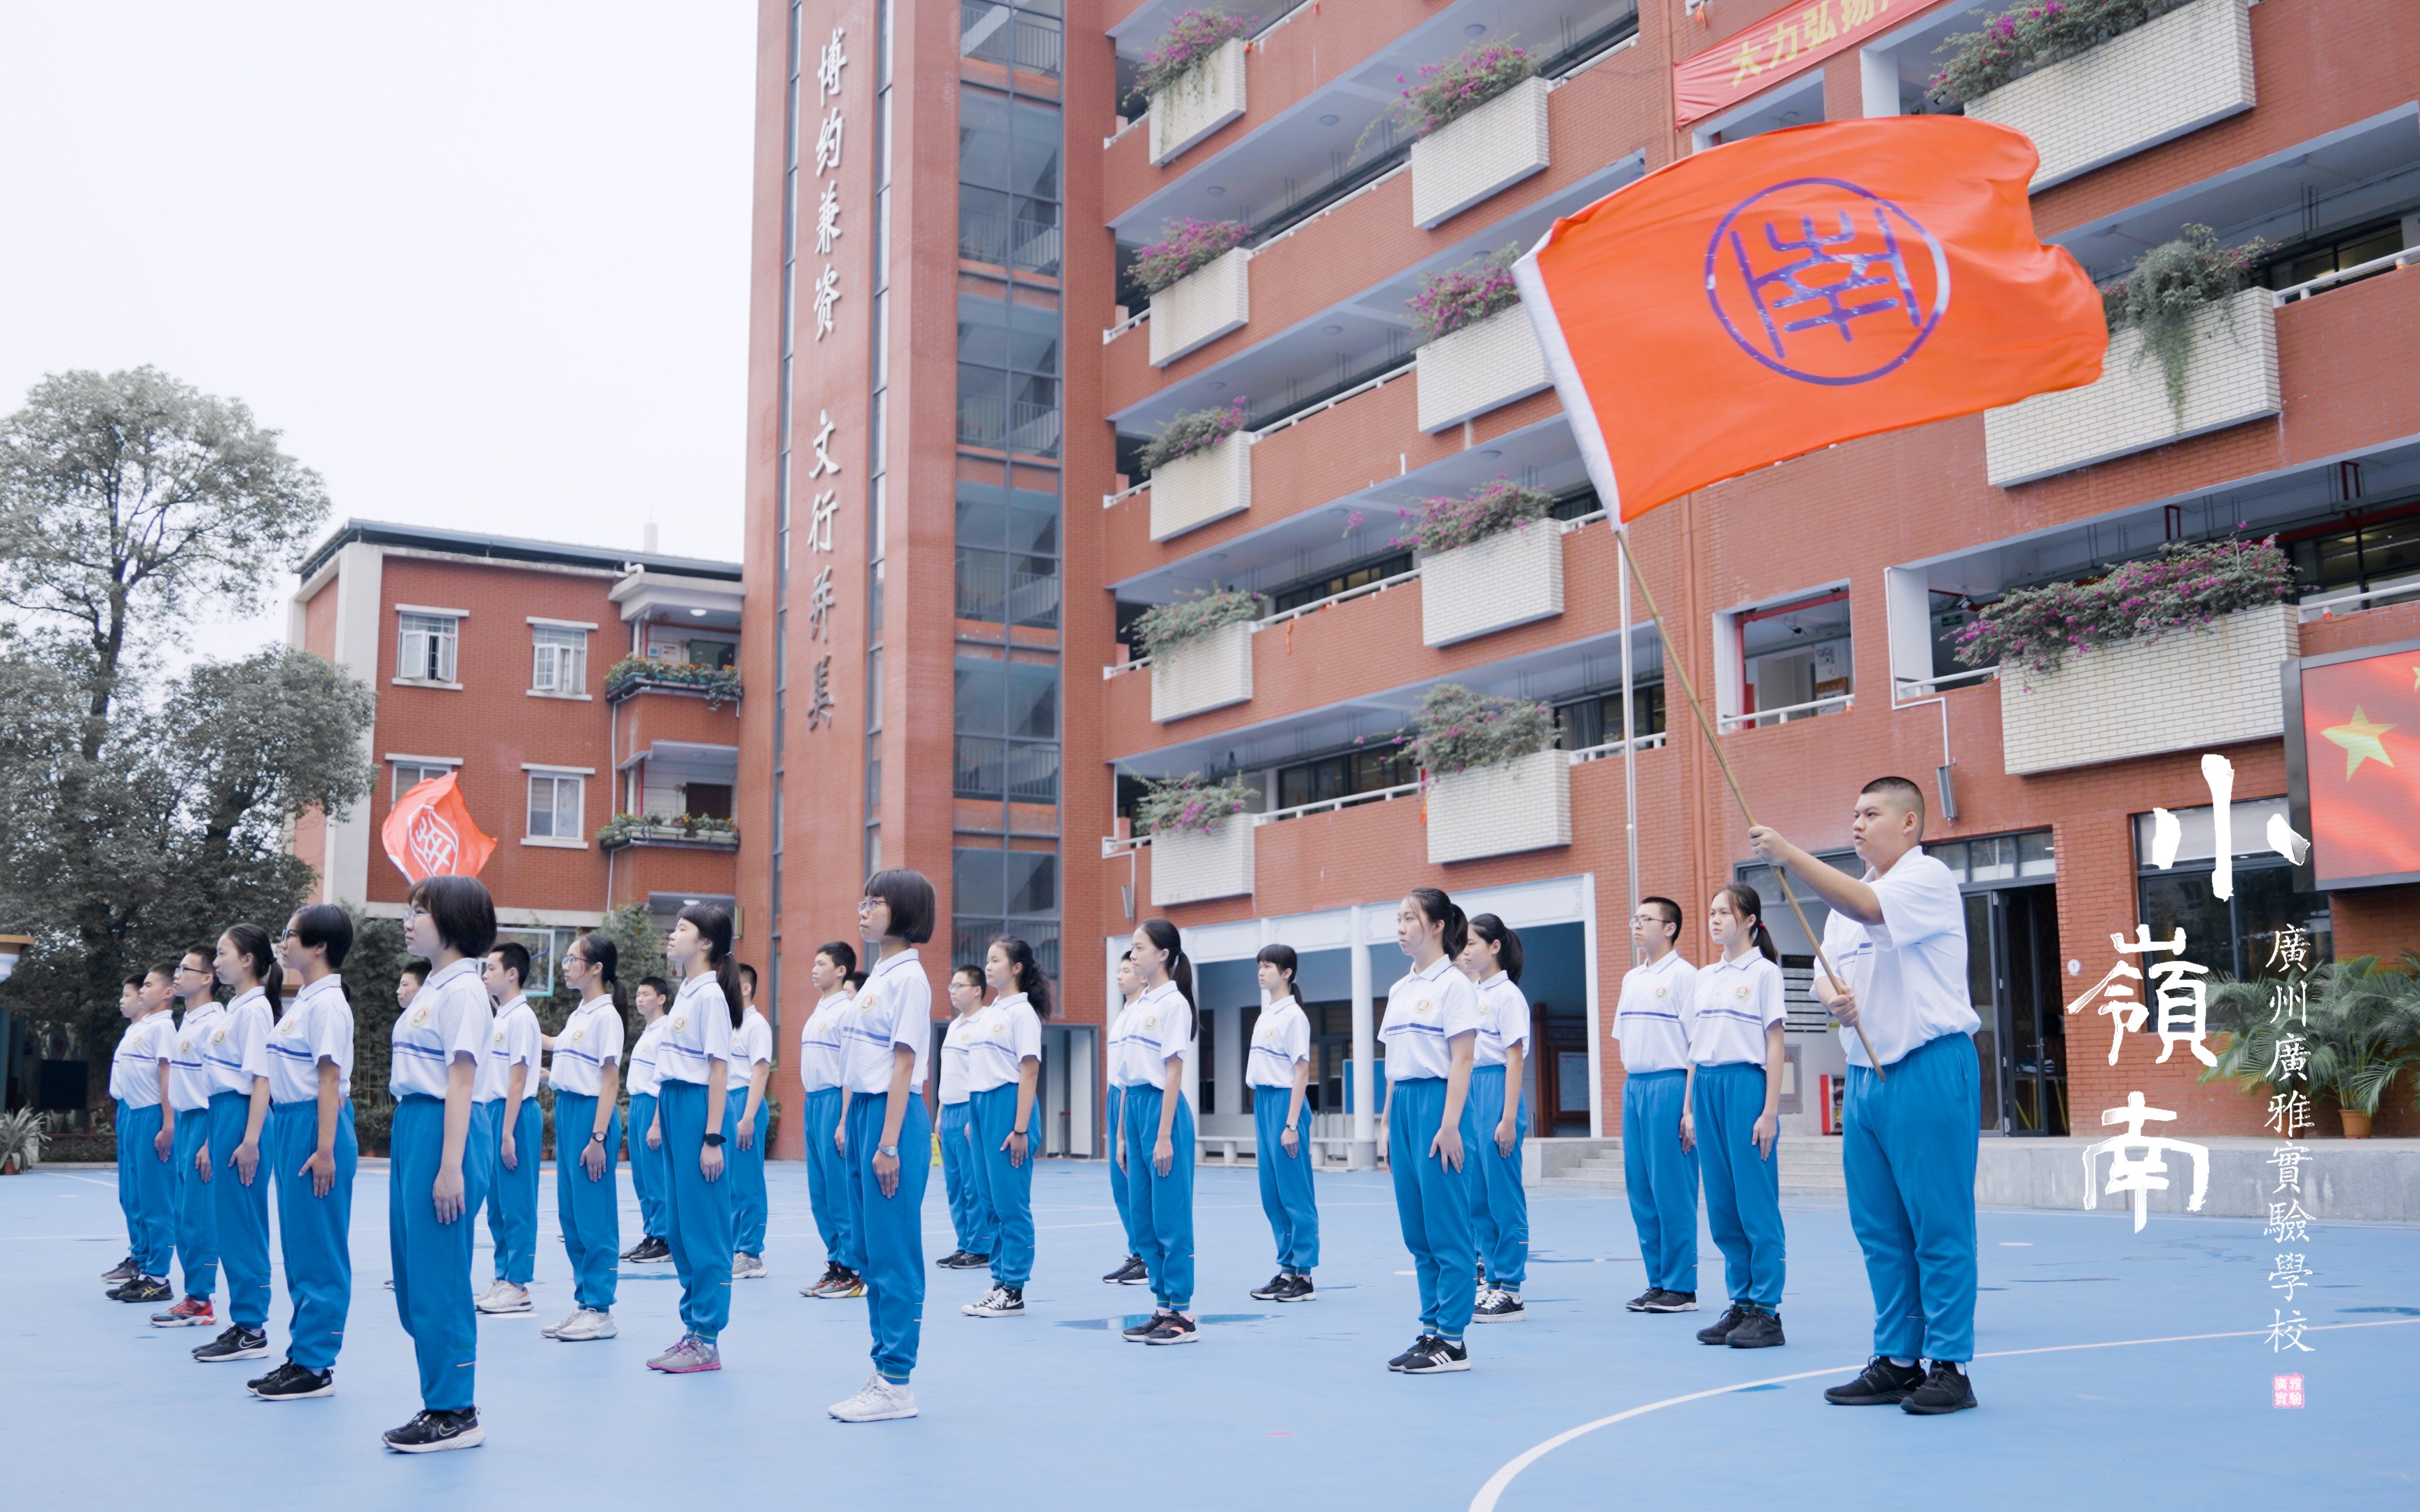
430 833
1758 301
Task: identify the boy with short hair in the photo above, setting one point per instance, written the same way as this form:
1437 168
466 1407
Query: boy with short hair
147 1175
507 1082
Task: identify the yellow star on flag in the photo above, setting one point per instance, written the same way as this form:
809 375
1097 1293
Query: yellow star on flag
2360 740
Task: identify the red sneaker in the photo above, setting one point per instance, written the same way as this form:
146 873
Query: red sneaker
194 1312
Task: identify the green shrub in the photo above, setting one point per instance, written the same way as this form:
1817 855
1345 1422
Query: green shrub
1191 616
1459 731
2186 586
1189 805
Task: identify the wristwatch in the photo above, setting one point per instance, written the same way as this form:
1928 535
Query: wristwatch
715 1140
596 1137
892 1150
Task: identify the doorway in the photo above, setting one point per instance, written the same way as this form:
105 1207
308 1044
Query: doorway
2013 976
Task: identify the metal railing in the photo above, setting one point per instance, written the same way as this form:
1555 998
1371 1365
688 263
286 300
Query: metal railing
1613 747
1837 703
1009 240
1908 688
1317 604
996 33
2345 275
2376 596
1350 800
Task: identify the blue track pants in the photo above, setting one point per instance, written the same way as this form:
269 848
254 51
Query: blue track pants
1285 1179
697 1211
146 1188
749 1206
1005 1191
1743 1188
828 1176
1163 1205
197 1229
1432 1203
589 1208
243 1213
970 1219
1499 1209
315 1233
432 1259
1121 1184
512 1195
1662 1177
1910 1160
889 1231
647 1166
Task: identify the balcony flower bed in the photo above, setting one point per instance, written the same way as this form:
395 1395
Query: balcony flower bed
1194 78
2186 587
1201 838
1493 560
1497 784
1477 351
1480 128
656 829
1199 276
633 675
1200 650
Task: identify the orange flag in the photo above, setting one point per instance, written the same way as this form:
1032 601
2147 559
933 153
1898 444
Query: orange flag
1771 297
430 833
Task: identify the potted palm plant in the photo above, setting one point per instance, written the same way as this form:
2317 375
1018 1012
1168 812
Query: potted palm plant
2357 1032
21 1140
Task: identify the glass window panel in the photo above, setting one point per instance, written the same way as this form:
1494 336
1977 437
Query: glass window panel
2265 904
983 138
1031 695
1033 591
1033 521
982 512
2034 855
983 407
1994 859
980 767
983 333
2181 899
981 696
1032 152
1032 882
1952 855
976 881
982 585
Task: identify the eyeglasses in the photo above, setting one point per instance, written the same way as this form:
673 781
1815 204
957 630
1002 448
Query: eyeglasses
291 933
868 905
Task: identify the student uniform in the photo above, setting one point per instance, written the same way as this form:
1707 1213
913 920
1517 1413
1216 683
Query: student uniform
819 1079
1124 1028
1732 1004
970 1217
894 1008
1162 1028
1424 1011
315 1233
512 1197
450 1019
1499 1209
233 1057
1662 1177
646 1165
1910 1140
146 1180
697 1212
751 1046
1000 1037
1281 1041
589 1206
189 1092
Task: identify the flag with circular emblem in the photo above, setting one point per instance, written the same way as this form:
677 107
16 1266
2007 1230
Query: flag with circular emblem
429 834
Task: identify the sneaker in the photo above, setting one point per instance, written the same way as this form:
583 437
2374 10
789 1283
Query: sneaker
505 1297
587 1324
1297 1289
746 1266
875 1401
194 1312
1174 1328
1638 1304
849 1285
144 1288
1268 1291
550 1329
966 1260
1501 1306
431 1431
493 1286
1946 1390
822 1284
1137 1333
999 1302
1720 1330
688 1357
1130 1273
651 1251
1437 1356
1881 1384
1419 1346
237 1343
291 1382
1759 1330
123 1271
950 1260
1673 1301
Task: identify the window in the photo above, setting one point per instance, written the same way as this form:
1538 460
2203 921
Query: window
2334 255
426 646
1205 1049
546 947
1790 660
1007 718
554 806
1366 770
1596 719
560 659
409 774
1341 580
2235 935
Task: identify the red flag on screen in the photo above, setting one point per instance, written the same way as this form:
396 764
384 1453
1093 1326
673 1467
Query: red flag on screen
2361 717
430 833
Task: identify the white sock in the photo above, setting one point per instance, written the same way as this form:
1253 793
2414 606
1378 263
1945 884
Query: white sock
1903 1364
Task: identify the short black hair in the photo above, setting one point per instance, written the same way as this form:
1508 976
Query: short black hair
843 954
417 969
1900 791
166 971
909 895
325 924
134 982
464 914
663 988
1671 914
516 960
853 981
748 975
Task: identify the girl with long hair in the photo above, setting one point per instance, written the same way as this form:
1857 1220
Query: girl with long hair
1277 1070
971 1220
1733 1115
751 1118
651 997
189 1087
1130 1271
821 1080
1003 1063
692 1102
1431 1025
239 1080
1499 1209
1159 1147
587 1074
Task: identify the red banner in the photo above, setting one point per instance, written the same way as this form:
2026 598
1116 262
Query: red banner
1781 44
430 833
2361 744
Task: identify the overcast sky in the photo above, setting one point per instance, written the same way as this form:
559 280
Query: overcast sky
484 264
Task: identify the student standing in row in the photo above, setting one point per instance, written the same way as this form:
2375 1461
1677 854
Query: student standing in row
146 1136
1003 1062
752 1071
821 1080
646 1140
197 1242
440 1166
1159 1147
970 1219
693 1106
1734 1118
1432 1017
587 1074
239 1079
1130 1271
1277 1070
1500 1208
130 1008
312 1153
508 1093
1660 1170
889 1039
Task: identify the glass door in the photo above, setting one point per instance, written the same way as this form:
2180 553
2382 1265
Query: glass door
2013 973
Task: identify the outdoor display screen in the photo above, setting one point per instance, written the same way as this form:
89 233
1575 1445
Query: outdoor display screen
2359 763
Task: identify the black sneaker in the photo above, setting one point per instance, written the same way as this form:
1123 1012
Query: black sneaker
968 1261
1881 1384
291 1382
123 1271
1638 1304
437 1430
950 1261
1947 1390
1719 1331
1761 1330
1137 1333
1298 1288
237 1343
1673 1301
1268 1291
144 1288
1437 1356
1419 1346
1130 1273
1499 1307
1173 1328
630 1255
652 1251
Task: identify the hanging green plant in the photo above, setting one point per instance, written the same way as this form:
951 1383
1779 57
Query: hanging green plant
2167 287
1189 805
1165 627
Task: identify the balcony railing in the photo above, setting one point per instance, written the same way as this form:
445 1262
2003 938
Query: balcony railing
994 588
1018 427
632 675
1012 39
679 829
1020 241
1018 771
1837 703
2348 275
2327 606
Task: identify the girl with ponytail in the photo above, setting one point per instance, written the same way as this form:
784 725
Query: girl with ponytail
1498 1206
1124 1023
692 1105
1733 1114
1158 1151
826 1108
588 1077
1003 1041
1431 1032
248 964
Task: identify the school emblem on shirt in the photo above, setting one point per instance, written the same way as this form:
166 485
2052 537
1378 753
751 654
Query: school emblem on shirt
1424 1008
865 1002
419 1018
1741 992
184 1047
1151 1021
289 1025
1662 992
578 1035
219 1038
499 1037
681 1023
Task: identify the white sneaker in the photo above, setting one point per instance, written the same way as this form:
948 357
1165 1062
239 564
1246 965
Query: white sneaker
877 1401
484 1296
747 1267
505 1297
587 1324
999 1302
554 1330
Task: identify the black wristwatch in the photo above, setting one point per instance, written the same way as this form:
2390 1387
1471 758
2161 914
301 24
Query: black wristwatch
714 1141
596 1137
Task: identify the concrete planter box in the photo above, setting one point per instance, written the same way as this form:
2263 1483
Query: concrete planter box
1477 155
1523 805
2150 85
1201 307
1211 484
1192 866
2188 690
2233 379
1210 94
1480 367
1508 578
1208 672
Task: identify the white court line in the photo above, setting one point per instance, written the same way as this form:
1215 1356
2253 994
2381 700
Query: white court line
63 1176
1503 1480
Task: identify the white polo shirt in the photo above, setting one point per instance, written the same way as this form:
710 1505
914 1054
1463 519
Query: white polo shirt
451 1017
697 1031
1000 1036
1125 1055
751 1044
134 1069
1280 1042
1651 1022
953 1061
514 1042
1503 1020
234 1055
643 1078
188 1078
1157 1027
1908 971
319 1024
1424 1011
893 1008
591 1037
820 1044
1730 1006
